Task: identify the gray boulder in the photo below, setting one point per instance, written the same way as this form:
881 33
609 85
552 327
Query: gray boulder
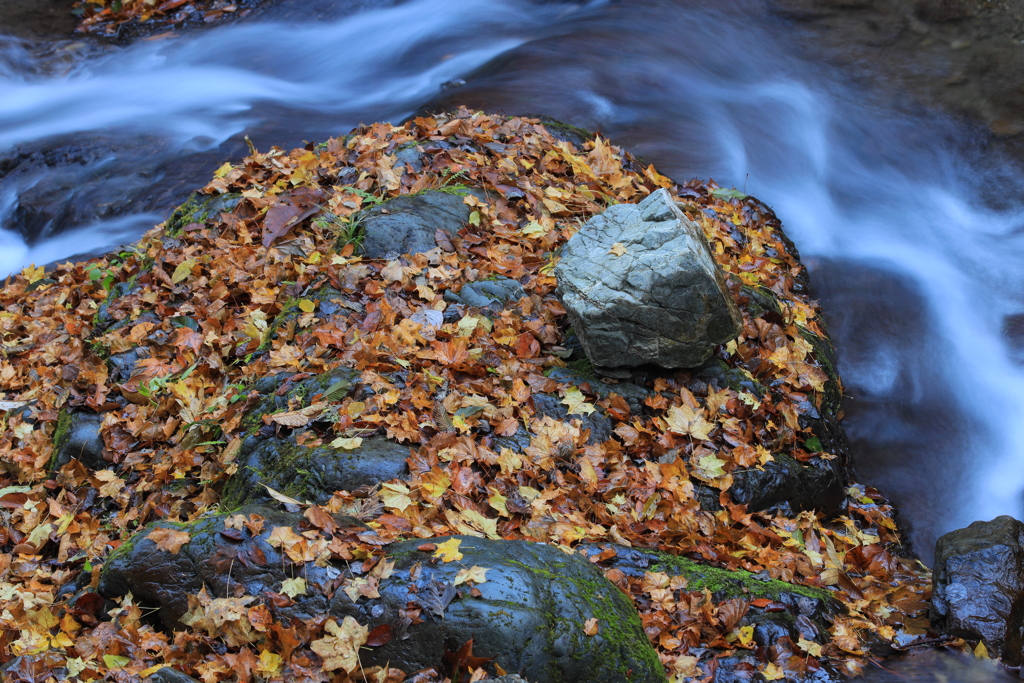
978 585
407 224
640 286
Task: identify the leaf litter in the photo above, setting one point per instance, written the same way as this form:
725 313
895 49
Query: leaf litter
207 305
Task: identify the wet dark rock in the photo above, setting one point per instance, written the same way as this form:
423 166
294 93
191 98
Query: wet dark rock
279 394
817 485
634 394
122 365
411 157
78 438
662 301
493 294
565 132
107 320
406 224
272 457
311 473
529 616
802 604
170 675
550 405
978 585
212 559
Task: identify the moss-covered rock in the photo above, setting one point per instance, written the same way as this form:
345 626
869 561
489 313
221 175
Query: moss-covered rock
78 437
271 458
529 615
199 208
814 604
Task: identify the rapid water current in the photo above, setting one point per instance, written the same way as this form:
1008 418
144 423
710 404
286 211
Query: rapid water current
912 229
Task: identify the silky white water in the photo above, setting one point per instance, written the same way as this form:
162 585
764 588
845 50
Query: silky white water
912 228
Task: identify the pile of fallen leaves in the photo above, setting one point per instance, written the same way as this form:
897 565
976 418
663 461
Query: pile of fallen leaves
108 17
234 298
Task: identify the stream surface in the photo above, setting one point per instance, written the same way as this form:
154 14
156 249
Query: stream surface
911 224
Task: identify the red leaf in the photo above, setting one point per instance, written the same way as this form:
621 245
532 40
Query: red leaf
380 636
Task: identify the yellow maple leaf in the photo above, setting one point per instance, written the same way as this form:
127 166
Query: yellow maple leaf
395 496
293 587
183 270
345 444
499 503
270 664
33 274
686 420
475 574
709 466
478 521
577 402
449 550
773 673
168 540
618 249
340 650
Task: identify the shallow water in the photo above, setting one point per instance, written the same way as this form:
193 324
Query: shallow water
911 225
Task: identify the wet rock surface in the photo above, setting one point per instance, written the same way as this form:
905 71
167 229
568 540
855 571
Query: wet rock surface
311 473
407 224
641 287
979 585
529 616
78 437
796 611
220 559
271 456
491 294
818 485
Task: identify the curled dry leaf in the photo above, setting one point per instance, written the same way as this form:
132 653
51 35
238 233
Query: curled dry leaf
168 540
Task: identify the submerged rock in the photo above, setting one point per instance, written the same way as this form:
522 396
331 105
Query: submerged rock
640 286
978 585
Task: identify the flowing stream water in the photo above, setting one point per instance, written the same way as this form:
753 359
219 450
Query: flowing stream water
912 227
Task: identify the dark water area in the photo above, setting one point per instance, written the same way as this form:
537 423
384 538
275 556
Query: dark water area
910 220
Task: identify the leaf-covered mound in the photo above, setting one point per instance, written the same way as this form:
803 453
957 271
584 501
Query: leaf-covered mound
116 17
168 341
